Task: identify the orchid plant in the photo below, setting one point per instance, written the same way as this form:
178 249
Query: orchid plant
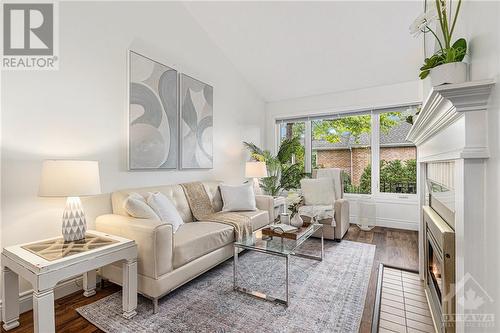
438 12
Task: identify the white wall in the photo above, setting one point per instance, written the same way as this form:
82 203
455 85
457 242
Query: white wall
80 111
481 26
401 93
391 211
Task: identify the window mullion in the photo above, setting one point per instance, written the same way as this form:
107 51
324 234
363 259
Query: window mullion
375 143
308 147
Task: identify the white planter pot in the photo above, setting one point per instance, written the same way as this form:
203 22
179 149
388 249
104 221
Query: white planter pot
453 72
296 221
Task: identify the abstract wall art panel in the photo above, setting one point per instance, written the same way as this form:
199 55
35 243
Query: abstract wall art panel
153 114
196 124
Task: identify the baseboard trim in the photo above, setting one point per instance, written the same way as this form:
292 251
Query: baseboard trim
62 289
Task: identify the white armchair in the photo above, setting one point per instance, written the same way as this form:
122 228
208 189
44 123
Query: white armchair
323 196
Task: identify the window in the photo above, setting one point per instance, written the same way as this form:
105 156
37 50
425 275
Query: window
370 147
345 143
288 130
398 165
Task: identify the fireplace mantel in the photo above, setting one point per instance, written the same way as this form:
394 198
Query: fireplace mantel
453 127
446 105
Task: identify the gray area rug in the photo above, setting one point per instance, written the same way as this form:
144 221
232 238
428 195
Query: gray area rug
325 296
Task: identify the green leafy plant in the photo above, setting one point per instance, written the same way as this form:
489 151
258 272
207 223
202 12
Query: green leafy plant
295 205
448 52
283 175
411 118
392 173
337 130
455 53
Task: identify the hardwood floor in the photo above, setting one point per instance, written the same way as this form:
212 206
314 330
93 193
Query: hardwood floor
395 247
67 319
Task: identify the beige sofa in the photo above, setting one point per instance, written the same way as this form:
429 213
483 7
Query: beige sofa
167 260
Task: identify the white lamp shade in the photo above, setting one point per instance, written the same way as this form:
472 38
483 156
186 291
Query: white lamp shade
255 170
66 178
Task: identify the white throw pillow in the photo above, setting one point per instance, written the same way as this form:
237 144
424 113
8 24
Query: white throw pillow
165 209
238 197
136 206
318 191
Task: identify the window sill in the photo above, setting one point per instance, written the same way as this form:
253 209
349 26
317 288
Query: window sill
385 197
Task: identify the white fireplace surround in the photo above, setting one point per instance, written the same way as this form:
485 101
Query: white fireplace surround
452 126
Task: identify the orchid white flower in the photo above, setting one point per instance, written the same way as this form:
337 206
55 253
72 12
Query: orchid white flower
424 20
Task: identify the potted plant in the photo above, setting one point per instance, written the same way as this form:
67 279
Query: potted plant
283 175
444 66
294 206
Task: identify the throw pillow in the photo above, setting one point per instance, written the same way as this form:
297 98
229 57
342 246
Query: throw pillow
318 191
136 206
238 198
165 209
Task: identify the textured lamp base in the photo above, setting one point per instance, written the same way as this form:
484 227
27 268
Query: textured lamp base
74 224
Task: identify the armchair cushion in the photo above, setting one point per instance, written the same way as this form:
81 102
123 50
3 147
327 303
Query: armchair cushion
318 191
323 212
334 173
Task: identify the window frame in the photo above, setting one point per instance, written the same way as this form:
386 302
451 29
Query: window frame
375 153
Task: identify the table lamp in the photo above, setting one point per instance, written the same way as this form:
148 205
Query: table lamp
71 179
256 170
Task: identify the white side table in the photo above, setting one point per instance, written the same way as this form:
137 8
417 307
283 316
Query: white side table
45 263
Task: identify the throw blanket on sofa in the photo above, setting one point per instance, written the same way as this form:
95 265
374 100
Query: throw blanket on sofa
203 210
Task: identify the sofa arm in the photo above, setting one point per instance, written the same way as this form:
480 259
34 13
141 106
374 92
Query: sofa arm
266 202
341 207
154 241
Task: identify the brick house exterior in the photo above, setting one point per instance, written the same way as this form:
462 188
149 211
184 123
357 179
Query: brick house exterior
341 158
353 156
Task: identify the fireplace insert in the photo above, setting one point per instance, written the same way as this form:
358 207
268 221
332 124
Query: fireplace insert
440 272
435 271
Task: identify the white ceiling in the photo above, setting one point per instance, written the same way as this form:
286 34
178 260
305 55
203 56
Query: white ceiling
295 49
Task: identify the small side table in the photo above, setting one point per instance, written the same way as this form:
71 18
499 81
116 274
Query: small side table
45 263
279 207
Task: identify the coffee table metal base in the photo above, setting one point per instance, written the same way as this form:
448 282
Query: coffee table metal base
261 295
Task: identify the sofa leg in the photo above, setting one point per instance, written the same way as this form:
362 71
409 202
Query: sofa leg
338 240
155 305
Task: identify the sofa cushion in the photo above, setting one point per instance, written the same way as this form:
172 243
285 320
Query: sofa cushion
237 198
136 206
165 209
193 240
258 218
174 192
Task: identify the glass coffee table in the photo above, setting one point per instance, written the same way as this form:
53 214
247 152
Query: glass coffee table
275 246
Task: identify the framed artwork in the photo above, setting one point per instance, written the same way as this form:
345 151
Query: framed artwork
196 124
153 114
